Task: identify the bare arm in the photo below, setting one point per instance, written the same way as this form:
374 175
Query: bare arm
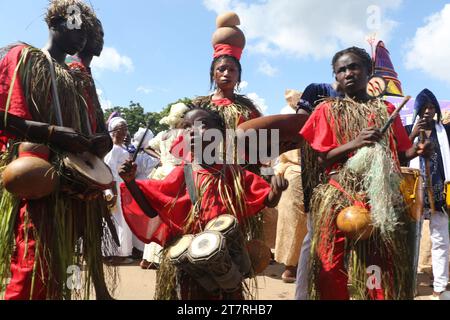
367 137
38 132
279 184
128 173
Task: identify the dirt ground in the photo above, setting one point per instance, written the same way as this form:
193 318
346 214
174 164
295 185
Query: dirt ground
138 284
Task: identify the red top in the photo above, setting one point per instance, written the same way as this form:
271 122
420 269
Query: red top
18 105
170 199
319 133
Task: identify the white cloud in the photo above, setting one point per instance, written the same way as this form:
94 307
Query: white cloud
112 60
260 102
429 50
267 69
105 103
309 28
243 85
144 90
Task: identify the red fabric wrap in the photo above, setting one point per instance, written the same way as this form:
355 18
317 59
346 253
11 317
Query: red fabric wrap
229 50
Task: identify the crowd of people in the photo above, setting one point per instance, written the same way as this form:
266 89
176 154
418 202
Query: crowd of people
77 190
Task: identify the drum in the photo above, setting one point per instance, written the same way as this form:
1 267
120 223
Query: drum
178 256
228 225
208 251
413 192
85 174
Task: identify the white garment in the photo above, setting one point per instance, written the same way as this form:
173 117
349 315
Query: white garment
163 143
302 280
145 165
114 159
439 236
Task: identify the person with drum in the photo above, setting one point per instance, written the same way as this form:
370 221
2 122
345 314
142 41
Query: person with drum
426 109
363 169
42 102
187 199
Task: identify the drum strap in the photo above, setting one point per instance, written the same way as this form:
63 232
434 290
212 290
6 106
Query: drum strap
190 184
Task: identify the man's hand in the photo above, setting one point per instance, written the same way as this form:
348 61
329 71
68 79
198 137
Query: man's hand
68 139
279 184
420 125
367 137
425 149
101 144
128 171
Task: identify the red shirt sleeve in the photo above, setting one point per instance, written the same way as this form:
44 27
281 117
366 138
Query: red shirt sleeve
256 191
18 105
400 134
318 131
167 197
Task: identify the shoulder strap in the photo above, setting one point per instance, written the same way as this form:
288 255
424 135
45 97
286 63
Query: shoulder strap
190 184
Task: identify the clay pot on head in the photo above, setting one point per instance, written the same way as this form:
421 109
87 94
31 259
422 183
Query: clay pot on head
229 35
30 177
355 222
228 19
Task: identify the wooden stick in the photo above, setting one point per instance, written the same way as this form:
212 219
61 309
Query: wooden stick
141 142
423 137
395 115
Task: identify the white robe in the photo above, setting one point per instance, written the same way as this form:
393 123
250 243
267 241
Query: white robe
114 159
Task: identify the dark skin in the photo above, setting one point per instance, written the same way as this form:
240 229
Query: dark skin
352 78
62 41
128 170
226 76
100 143
426 122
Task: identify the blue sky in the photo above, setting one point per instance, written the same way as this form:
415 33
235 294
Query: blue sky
159 50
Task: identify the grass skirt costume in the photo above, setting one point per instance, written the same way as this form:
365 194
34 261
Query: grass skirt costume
370 178
38 239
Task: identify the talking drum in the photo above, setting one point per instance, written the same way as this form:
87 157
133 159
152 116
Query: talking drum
413 193
85 174
178 256
208 251
228 225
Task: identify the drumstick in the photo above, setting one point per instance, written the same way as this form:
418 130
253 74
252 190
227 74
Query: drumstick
141 142
394 115
423 137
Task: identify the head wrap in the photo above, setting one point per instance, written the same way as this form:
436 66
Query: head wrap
114 123
426 97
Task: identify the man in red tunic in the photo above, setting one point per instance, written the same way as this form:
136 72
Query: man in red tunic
169 201
26 114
